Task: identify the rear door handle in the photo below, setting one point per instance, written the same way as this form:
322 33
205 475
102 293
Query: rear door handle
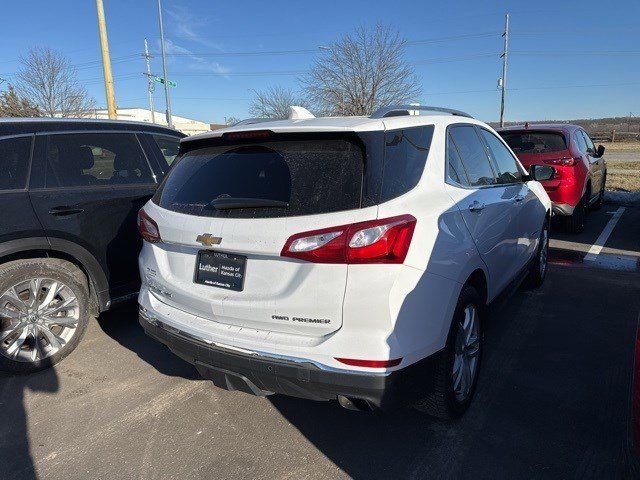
476 206
65 210
518 198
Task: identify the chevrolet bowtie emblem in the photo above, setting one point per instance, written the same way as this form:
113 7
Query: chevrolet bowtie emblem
208 240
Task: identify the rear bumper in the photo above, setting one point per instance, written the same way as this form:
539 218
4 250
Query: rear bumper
263 375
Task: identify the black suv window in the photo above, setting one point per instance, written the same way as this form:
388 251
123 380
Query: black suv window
404 159
473 154
93 159
508 171
15 153
277 178
168 146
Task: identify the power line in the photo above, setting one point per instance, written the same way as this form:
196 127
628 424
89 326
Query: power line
249 53
423 41
562 54
429 94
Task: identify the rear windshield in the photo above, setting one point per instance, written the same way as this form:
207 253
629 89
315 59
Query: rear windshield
534 142
266 179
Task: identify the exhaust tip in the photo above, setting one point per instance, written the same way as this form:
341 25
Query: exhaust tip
356 404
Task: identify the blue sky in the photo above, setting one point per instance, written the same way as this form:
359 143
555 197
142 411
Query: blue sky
569 60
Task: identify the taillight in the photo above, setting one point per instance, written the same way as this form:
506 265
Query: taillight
377 241
565 161
148 228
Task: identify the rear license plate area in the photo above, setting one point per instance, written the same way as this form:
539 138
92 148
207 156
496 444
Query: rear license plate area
220 269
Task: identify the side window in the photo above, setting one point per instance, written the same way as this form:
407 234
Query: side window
404 159
473 154
591 148
455 168
94 159
168 146
580 142
508 171
14 162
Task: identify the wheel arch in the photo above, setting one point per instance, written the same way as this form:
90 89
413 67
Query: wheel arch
43 247
478 280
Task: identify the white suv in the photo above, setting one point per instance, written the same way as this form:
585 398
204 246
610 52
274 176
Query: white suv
347 258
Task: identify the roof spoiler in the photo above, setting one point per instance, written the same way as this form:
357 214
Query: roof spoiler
402 110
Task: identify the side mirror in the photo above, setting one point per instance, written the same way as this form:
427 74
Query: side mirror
600 151
541 173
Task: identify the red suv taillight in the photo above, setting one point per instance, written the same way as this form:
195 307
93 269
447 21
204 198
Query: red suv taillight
565 162
377 241
148 228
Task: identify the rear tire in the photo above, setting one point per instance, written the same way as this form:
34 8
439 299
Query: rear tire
538 268
44 312
598 203
454 383
574 223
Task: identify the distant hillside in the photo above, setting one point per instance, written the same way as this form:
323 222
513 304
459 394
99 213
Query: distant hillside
626 128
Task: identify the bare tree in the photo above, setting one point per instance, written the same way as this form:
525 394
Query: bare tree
11 105
360 72
274 102
231 120
48 80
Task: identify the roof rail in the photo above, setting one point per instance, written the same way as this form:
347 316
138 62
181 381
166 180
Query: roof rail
401 110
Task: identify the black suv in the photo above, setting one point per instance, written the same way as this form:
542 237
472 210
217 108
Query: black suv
70 191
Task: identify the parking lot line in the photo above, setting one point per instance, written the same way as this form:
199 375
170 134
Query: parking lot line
596 248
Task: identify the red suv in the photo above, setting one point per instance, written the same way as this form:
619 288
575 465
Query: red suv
581 171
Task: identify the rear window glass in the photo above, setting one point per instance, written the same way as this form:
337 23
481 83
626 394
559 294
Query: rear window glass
534 142
266 179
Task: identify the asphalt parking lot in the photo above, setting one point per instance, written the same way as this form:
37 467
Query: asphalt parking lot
553 399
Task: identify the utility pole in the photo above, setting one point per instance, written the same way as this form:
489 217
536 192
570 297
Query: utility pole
164 68
504 67
151 86
106 62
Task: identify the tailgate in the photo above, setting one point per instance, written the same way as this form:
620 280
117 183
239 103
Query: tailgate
252 197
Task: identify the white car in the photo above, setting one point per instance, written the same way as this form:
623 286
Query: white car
347 258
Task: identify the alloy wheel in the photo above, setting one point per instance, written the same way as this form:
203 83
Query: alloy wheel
38 317
466 354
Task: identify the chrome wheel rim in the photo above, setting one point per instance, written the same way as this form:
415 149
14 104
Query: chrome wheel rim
467 349
544 251
38 317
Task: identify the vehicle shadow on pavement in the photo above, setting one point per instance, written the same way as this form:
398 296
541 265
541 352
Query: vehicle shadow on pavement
121 324
552 401
16 459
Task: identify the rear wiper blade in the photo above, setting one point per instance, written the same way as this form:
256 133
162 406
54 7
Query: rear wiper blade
228 203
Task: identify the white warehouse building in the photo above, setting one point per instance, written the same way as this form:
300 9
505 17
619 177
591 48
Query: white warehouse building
185 125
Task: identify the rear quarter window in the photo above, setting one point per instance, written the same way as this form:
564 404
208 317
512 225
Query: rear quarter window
405 156
15 153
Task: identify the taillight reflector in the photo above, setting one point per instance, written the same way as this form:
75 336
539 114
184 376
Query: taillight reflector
148 228
377 241
355 362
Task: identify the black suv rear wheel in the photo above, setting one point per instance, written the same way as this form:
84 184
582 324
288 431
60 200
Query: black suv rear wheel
44 311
